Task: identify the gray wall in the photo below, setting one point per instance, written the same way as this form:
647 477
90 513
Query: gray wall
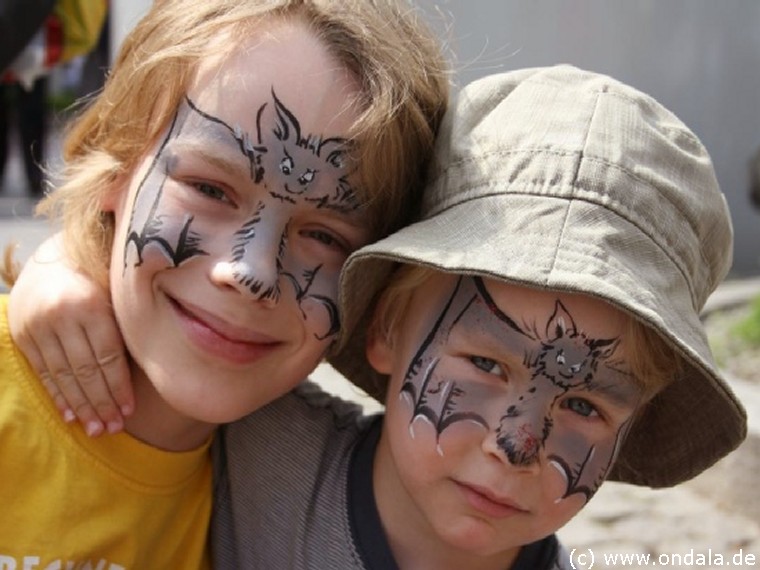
700 58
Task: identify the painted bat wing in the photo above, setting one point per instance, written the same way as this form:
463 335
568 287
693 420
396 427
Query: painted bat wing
332 314
589 474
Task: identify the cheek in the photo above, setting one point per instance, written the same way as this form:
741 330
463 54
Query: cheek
555 485
414 445
420 437
159 227
410 436
556 511
315 291
583 457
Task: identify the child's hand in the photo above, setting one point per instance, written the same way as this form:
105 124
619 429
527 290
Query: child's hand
62 321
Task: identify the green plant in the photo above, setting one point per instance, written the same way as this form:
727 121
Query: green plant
60 101
748 328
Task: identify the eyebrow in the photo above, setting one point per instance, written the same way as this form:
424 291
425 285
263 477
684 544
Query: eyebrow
621 391
354 221
484 340
227 157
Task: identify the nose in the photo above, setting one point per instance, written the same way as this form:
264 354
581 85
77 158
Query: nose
254 265
255 281
519 438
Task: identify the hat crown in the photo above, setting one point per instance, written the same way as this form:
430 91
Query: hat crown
570 134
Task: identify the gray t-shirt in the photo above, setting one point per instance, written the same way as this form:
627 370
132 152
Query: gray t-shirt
293 491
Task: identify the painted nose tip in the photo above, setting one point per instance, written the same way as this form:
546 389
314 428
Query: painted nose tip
521 447
261 284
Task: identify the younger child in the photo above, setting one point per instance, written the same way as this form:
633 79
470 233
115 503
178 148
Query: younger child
217 185
536 333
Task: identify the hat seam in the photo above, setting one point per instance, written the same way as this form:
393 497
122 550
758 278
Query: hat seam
557 243
582 156
503 152
610 89
649 102
629 215
574 184
622 212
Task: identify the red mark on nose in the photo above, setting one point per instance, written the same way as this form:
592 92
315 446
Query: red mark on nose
528 441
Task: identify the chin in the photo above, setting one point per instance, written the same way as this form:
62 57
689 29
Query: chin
211 411
473 536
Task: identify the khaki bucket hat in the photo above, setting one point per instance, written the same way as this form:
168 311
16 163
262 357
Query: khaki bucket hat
558 178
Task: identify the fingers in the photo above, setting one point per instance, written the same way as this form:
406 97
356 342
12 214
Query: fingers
109 354
83 367
62 320
29 348
72 376
92 373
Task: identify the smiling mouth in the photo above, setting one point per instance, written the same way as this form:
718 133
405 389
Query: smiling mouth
487 503
227 342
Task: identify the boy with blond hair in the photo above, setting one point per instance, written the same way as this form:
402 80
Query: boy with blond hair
215 187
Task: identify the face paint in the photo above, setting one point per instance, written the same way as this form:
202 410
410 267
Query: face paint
552 367
172 237
297 173
307 166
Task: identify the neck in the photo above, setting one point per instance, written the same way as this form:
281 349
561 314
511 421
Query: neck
157 423
414 542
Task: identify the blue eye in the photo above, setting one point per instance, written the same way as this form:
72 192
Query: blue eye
211 191
486 364
580 406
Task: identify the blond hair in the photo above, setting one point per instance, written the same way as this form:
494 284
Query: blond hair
651 362
396 59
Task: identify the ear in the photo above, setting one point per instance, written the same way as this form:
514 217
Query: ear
379 350
560 323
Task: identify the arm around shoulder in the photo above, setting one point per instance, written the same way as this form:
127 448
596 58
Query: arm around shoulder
62 321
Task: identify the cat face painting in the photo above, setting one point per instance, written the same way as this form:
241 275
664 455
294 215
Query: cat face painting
506 408
232 233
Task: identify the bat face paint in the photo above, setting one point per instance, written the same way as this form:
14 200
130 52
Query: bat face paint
559 367
506 403
232 230
295 173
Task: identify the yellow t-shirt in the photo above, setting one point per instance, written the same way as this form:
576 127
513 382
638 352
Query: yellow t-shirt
69 501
